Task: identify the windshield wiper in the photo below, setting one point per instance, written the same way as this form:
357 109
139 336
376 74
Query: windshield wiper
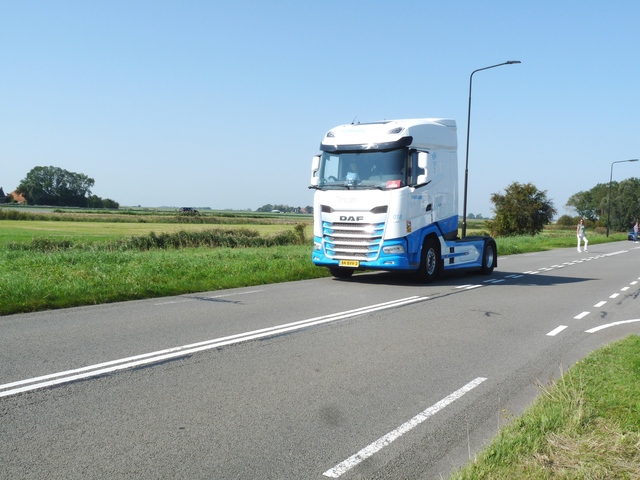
422 184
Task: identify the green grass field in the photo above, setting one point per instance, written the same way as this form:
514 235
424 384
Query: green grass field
25 231
58 264
32 281
57 261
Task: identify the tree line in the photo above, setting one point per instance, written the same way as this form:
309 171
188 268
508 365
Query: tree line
58 187
521 210
525 210
284 208
621 211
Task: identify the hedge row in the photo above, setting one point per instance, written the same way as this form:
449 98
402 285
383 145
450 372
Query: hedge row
214 238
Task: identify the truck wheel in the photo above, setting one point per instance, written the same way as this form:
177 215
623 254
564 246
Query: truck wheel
341 272
488 258
429 261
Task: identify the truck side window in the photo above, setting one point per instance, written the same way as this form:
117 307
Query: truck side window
331 168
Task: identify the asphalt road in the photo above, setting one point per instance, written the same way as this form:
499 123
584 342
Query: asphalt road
375 377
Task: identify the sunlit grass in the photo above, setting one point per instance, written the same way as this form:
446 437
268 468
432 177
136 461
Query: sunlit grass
553 236
60 268
543 242
585 426
31 281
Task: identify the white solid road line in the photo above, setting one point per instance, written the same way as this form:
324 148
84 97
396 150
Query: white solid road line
382 442
175 352
602 327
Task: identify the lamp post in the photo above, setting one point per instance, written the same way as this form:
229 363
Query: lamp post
466 168
609 201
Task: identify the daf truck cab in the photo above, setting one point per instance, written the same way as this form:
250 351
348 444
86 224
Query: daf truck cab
386 198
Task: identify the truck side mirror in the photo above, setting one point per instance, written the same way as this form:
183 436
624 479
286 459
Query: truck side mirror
423 158
315 166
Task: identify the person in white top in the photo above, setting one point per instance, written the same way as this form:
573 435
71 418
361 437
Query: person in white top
581 235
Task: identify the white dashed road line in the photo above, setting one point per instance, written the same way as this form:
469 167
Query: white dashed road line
556 331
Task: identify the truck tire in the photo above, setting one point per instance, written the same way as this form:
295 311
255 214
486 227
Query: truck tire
429 268
341 272
489 257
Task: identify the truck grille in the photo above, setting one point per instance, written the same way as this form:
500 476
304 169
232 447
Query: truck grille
352 241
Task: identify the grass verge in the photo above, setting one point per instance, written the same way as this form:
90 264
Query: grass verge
48 273
49 264
585 426
66 278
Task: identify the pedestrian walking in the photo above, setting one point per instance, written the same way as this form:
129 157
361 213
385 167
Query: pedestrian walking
635 233
581 235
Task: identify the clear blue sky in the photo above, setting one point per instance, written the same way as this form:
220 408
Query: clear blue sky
223 104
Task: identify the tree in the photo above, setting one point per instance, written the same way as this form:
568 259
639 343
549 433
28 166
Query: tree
625 205
55 186
95 201
108 203
584 205
567 221
522 210
265 208
594 204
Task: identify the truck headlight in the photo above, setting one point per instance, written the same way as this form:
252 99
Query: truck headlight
317 246
393 249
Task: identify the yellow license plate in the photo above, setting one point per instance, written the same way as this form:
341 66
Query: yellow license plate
349 263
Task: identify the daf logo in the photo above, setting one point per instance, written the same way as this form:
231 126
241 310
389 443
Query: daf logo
345 218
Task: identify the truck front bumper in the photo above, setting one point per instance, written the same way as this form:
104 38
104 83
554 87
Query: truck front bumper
384 261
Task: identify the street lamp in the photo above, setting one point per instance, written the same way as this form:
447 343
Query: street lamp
610 178
466 168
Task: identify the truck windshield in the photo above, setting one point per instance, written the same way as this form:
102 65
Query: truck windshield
366 170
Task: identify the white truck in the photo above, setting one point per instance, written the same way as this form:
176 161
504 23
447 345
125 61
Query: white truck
386 198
